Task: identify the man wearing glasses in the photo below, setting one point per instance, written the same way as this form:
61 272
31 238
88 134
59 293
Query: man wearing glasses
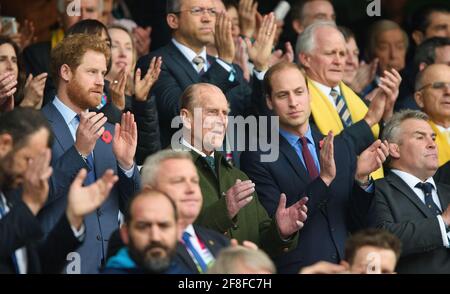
433 97
185 61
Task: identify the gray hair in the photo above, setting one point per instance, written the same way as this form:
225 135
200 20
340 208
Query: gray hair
306 40
62 6
173 6
379 27
231 257
150 169
392 129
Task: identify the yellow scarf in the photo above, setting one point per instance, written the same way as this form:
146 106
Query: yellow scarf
57 36
442 144
327 118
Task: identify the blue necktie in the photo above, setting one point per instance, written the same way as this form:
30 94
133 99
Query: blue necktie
341 108
90 177
427 189
197 256
13 255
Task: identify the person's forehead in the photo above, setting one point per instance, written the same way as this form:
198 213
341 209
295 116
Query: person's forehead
288 76
89 3
438 17
392 35
312 8
411 125
436 72
197 3
155 208
210 97
176 166
328 37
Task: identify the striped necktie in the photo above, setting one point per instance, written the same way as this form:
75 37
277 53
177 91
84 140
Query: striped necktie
187 242
341 107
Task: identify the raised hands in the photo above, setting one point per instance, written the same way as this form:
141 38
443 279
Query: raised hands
238 196
291 219
278 56
142 40
83 200
8 86
327 163
390 84
117 89
241 58
364 75
261 50
247 17
371 159
34 91
125 141
142 86
223 39
35 183
89 130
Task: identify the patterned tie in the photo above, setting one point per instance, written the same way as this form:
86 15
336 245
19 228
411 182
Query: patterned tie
90 177
187 242
427 188
211 163
341 107
200 64
309 161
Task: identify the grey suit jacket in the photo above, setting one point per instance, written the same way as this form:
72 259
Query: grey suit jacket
397 209
66 163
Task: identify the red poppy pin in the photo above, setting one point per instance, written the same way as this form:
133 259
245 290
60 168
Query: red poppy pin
107 137
320 144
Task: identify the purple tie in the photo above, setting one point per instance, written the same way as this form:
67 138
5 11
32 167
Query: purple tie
309 161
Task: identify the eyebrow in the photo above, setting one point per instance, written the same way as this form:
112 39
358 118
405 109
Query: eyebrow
423 133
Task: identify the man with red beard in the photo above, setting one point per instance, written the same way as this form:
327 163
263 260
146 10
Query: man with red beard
78 64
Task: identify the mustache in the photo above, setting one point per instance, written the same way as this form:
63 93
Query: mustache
156 244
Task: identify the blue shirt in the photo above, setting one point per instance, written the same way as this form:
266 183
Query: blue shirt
294 141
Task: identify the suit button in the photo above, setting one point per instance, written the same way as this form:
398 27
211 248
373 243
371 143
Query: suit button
235 227
225 233
334 256
99 238
99 212
285 249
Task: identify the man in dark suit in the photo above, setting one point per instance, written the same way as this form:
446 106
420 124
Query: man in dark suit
85 140
408 202
186 62
25 138
174 173
324 170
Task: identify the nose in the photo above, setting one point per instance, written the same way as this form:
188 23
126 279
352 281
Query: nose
100 80
293 102
155 233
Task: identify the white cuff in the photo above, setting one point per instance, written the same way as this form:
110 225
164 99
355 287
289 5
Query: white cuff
259 74
443 231
129 172
79 234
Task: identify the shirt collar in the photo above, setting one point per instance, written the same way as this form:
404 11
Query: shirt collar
185 143
325 89
412 180
293 139
190 229
188 52
67 113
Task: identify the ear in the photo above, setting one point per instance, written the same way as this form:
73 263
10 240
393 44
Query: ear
394 150
147 187
297 26
417 37
422 66
6 144
124 234
305 59
186 118
65 73
269 102
172 21
418 96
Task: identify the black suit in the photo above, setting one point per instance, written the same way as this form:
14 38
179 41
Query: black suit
398 209
177 73
21 228
333 211
443 174
213 240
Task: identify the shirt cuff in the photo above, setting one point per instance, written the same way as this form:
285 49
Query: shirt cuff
225 65
128 172
443 231
259 74
370 188
79 234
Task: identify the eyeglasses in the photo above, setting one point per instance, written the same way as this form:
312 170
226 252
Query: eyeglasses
200 11
436 86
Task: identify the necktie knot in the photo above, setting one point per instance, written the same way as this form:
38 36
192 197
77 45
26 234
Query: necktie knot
426 188
199 63
210 161
334 93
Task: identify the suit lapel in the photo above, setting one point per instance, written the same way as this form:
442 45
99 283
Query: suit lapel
102 154
292 157
182 62
209 243
59 126
184 256
400 185
317 136
443 192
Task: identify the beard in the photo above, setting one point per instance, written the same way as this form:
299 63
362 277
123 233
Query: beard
82 97
8 178
149 262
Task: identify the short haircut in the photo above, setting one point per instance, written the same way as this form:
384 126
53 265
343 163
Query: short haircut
376 29
426 51
62 6
230 3
267 84
21 123
231 257
71 50
298 9
148 193
173 6
151 166
347 33
88 26
420 20
306 40
371 237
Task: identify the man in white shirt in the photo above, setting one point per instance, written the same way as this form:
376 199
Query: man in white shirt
408 202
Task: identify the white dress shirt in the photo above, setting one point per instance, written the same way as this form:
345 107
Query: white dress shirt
327 90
